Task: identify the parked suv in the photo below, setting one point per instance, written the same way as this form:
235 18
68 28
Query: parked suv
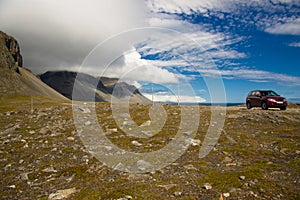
265 99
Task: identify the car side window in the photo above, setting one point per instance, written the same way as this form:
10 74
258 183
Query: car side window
253 93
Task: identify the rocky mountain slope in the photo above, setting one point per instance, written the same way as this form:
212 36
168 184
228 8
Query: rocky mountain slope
105 88
16 80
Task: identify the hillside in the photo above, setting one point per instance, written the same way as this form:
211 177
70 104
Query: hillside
63 81
16 80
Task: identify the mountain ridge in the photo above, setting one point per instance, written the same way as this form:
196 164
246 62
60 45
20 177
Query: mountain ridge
104 87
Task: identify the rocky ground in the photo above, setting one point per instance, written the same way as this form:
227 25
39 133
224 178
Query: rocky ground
42 156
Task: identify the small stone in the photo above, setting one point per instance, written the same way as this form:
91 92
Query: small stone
147 123
227 160
24 176
49 170
44 130
193 142
87 123
85 110
187 132
54 149
127 197
113 130
167 187
108 148
226 194
136 143
147 133
62 194
71 138
283 150
12 186
70 178
231 164
144 165
190 167
207 186
32 132
242 178
297 152
119 166
177 194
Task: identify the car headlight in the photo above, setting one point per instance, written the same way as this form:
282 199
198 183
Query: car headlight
272 100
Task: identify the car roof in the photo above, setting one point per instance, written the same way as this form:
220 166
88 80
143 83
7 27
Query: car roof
261 90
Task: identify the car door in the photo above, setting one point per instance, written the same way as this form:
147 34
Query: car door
251 98
256 98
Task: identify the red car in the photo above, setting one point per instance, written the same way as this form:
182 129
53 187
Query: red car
265 99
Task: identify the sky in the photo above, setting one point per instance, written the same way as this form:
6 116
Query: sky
199 50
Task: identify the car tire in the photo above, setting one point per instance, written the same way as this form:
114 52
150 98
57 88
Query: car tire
264 106
283 108
249 105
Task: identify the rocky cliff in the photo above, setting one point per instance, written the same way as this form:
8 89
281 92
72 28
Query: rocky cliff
16 80
10 52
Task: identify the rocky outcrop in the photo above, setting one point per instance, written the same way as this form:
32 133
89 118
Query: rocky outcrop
10 56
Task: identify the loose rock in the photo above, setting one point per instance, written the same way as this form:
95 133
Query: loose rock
207 186
62 194
226 194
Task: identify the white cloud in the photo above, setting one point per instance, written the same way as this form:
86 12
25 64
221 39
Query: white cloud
294 44
186 44
276 16
174 98
131 67
289 28
187 6
203 6
59 34
253 75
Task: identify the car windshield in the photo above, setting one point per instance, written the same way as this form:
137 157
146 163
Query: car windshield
269 93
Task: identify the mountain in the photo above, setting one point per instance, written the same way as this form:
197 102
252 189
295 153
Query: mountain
16 80
104 88
119 89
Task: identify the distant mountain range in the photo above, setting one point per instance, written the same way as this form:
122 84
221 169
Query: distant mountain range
104 87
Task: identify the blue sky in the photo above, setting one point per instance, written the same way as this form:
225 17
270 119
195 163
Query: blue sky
258 44
205 47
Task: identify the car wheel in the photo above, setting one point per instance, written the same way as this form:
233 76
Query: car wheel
283 108
249 105
264 106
